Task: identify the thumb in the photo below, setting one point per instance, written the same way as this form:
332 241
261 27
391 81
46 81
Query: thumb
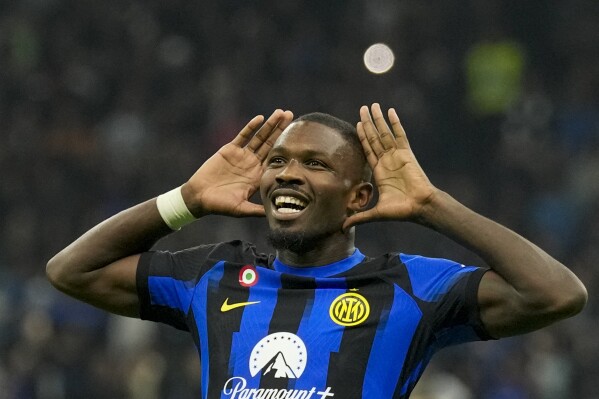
358 218
250 209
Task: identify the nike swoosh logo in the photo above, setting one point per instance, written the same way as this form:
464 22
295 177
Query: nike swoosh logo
230 306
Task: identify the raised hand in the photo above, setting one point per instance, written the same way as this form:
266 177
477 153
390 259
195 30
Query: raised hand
403 186
226 181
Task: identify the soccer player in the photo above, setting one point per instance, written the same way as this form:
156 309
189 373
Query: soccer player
318 319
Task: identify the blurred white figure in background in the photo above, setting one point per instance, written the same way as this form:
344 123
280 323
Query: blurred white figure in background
441 385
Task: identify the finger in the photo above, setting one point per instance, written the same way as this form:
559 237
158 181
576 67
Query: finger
267 128
262 151
371 132
370 156
387 138
247 132
400 134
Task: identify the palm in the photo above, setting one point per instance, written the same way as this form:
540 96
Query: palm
226 181
402 184
230 177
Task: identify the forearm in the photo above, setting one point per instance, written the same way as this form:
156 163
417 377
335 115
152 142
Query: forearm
536 276
526 289
129 232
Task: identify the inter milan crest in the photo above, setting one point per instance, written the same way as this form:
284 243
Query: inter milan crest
349 309
248 276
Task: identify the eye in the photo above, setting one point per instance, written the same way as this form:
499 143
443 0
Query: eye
276 161
315 163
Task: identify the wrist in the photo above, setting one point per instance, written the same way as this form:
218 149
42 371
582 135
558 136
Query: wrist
173 209
192 201
433 210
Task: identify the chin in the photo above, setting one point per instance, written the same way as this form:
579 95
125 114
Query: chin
295 241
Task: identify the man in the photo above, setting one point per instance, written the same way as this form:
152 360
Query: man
319 320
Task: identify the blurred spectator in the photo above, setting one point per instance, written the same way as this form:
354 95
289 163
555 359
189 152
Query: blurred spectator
104 104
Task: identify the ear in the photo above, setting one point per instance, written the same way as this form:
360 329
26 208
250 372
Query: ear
361 196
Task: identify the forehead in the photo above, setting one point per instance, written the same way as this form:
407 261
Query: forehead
313 137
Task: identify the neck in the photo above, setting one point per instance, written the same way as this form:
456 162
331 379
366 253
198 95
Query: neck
330 249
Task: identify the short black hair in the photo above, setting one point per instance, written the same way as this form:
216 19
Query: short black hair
347 131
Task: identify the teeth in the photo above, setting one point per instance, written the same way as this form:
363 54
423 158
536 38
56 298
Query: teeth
288 210
287 200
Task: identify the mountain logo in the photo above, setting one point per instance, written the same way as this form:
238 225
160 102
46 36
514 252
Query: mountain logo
279 367
279 355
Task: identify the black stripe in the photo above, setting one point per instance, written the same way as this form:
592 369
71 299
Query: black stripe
295 294
348 367
193 330
141 281
164 314
220 337
292 298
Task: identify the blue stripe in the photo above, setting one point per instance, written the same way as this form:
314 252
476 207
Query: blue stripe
321 271
254 325
167 291
320 334
433 277
390 347
177 294
208 282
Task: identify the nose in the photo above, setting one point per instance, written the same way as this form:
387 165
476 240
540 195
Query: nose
291 173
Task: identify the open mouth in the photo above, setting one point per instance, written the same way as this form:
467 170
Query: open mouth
287 204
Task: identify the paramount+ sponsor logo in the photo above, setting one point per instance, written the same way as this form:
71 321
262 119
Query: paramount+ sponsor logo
349 309
277 358
235 388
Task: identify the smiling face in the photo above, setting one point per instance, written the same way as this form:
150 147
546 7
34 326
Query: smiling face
311 183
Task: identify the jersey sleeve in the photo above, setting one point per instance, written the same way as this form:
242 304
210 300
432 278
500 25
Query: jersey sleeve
449 294
166 283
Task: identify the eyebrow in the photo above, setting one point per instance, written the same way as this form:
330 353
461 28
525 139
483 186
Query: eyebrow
305 153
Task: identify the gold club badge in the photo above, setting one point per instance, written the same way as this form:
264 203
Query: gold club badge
349 309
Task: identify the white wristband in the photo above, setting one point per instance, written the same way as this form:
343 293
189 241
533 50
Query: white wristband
173 210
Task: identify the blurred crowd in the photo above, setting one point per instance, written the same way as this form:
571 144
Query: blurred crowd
104 104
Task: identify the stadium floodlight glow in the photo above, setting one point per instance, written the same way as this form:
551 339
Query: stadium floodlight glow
379 58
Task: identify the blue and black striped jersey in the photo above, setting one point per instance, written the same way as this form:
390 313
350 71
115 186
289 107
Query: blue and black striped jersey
357 328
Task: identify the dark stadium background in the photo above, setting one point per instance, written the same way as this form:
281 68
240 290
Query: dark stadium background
104 104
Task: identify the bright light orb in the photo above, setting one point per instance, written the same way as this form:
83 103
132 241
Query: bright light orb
379 58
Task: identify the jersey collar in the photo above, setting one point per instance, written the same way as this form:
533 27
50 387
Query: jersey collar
330 269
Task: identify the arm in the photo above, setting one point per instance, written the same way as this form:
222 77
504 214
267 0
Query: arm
526 288
100 266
